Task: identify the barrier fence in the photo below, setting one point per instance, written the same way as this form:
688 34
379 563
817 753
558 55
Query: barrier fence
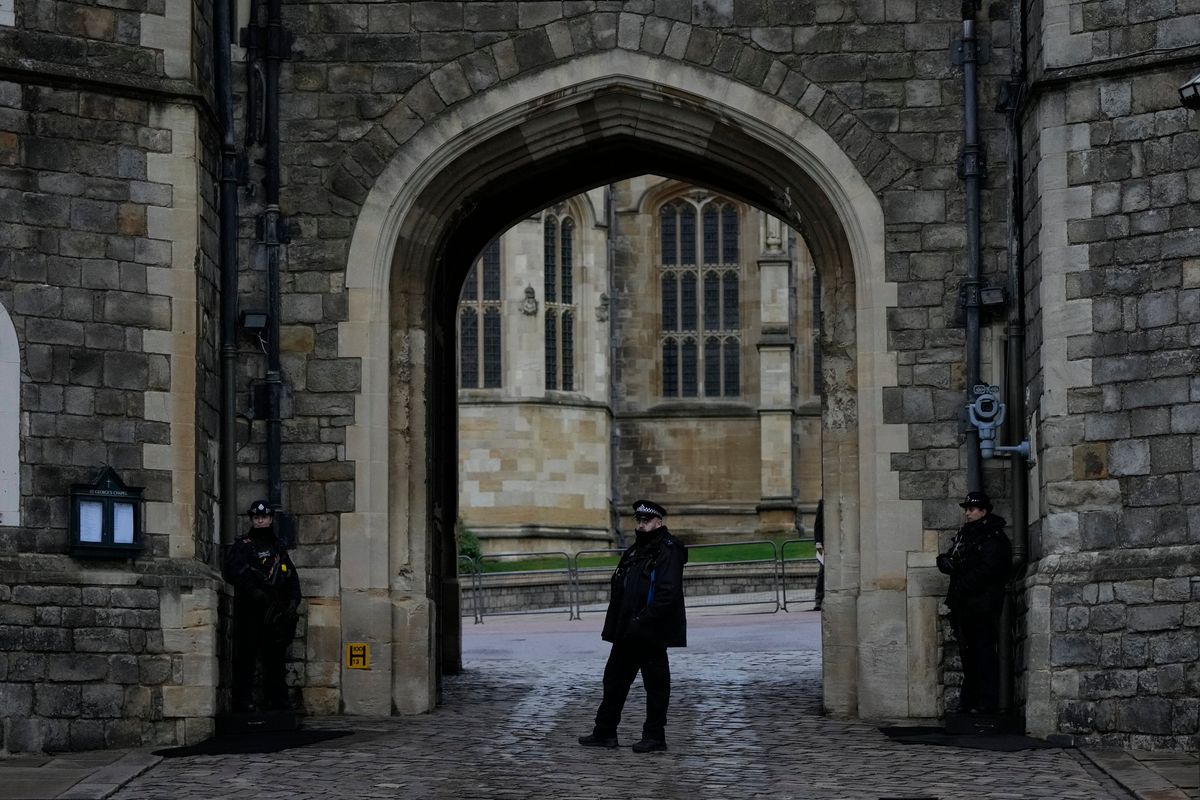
555 582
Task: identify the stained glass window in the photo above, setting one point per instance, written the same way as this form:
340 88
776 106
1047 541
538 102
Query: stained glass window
687 236
491 348
687 302
559 278
670 302
550 258
479 349
711 234
468 348
670 245
568 351
566 267
687 357
670 354
551 348
700 296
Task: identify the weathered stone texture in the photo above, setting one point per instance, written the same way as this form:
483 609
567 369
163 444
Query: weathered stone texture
1111 188
100 664
83 195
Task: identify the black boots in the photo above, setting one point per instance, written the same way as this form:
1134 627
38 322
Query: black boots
644 746
592 740
650 746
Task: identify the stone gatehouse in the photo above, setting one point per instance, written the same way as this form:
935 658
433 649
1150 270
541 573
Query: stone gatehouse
411 135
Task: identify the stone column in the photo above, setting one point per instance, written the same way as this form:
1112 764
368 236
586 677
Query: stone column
776 508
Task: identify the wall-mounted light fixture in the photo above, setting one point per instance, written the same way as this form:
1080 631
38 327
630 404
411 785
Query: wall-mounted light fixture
253 321
1189 93
106 518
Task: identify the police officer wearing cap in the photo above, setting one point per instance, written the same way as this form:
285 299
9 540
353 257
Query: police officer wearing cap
979 563
645 617
267 594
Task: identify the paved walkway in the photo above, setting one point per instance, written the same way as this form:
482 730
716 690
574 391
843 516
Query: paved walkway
744 723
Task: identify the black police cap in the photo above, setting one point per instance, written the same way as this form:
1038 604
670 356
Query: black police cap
648 508
977 500
260 509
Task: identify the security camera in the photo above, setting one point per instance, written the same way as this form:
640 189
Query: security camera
986 412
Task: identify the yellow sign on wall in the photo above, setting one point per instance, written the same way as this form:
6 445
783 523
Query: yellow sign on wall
358 655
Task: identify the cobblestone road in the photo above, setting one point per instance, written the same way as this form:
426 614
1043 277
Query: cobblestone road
742 725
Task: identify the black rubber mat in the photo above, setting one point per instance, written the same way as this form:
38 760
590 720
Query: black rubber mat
999 742
265 742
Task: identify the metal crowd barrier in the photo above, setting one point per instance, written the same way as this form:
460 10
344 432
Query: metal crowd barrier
733 598
694 572
471 568
605 569
556 609
783 560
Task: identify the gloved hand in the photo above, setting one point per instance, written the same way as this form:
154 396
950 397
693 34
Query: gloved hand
944 564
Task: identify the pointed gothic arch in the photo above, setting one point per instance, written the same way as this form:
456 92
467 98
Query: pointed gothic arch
542 137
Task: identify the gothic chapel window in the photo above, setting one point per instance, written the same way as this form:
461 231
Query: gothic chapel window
559 271
700 277
479 323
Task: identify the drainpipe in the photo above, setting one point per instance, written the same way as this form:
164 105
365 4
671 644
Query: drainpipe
1013 104
971 172
610 213
227 260
276 49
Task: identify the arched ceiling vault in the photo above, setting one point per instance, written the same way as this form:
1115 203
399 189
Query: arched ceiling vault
613 133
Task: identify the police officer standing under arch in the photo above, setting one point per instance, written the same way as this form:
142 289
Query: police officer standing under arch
267 595
645 617
979 563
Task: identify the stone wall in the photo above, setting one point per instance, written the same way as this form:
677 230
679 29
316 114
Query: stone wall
543 466
106 232
107 243
106 659
1111 240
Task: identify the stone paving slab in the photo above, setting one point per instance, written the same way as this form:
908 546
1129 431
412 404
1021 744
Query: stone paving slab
1152 775
742 725
90 775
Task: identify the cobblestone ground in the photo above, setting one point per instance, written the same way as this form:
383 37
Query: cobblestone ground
742 725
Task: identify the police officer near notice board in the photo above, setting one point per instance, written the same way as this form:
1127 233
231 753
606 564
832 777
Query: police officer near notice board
267 595
979 563
645 617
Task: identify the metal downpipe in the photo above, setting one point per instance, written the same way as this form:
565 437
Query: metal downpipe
614 434
227 262
971 170
1015 354
273 243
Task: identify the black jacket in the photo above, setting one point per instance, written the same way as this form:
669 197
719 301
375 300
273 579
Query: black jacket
646 604
819 523
979 563
262 572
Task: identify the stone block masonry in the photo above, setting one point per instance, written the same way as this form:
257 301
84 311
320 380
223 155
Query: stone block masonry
106 271
106 659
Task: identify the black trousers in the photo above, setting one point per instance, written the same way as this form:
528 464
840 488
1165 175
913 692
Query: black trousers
978 635
624 663
255 641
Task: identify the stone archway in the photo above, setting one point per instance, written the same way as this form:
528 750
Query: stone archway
469 172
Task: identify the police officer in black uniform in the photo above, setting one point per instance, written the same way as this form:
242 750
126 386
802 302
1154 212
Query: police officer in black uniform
819 544
979 563
267 594
645 617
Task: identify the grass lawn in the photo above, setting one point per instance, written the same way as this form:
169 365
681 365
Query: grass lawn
700 554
